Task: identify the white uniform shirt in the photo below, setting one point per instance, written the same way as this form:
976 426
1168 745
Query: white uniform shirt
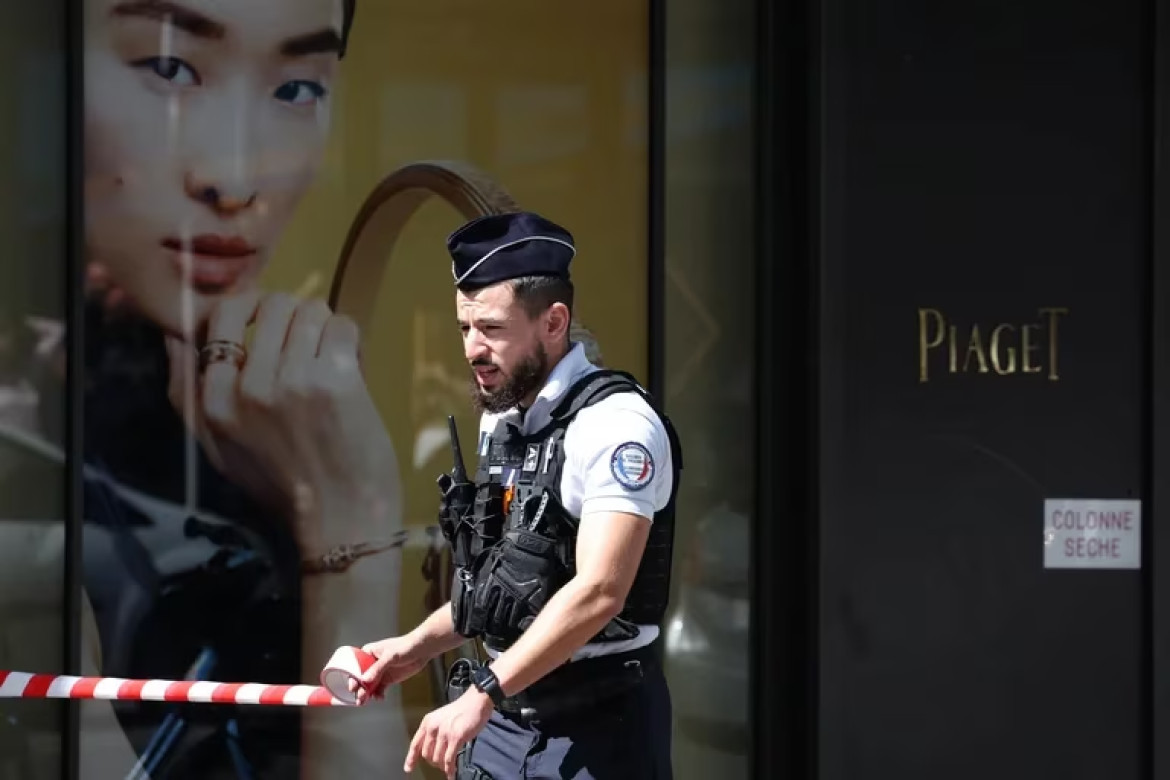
617 459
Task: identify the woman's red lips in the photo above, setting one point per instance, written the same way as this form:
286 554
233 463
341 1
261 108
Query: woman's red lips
211 263
212 246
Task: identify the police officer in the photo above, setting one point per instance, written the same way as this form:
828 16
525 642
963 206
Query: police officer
561 541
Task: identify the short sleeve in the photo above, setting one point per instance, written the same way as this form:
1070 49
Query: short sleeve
624 457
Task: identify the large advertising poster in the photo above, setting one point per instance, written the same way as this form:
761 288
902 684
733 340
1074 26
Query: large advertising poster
283 174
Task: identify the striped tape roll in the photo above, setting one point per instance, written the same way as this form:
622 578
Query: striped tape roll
21 685
348 663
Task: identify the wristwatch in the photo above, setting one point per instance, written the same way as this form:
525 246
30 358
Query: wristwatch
485 681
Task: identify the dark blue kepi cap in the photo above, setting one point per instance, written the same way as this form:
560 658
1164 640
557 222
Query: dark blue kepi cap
499 247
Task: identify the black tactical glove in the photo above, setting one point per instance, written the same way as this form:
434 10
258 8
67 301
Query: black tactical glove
522 573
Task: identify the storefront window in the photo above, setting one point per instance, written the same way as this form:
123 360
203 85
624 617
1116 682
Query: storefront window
32 397
710 265
235 150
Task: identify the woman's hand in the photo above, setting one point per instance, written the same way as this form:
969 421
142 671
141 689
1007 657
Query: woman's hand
291 419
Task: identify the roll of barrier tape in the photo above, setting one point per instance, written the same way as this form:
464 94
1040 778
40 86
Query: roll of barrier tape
347 663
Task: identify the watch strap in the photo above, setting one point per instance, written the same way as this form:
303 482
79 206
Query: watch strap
485 681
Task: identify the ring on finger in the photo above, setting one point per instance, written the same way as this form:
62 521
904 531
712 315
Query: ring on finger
222 351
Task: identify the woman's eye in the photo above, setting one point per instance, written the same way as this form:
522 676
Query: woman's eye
170 69
299 93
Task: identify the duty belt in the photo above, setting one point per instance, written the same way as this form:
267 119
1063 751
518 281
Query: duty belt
569 689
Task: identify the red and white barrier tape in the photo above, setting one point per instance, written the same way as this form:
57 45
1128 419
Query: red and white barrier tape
346 663
21 685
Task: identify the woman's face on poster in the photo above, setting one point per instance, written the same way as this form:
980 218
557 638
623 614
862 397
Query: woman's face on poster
205 123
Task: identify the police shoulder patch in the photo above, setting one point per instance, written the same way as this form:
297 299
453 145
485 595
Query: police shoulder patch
632 465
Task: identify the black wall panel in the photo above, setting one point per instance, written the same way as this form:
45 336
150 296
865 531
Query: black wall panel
984 160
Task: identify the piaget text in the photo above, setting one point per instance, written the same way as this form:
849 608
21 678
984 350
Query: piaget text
1002 348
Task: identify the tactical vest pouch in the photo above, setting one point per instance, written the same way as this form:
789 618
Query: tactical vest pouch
462 597
467 588
456 509
489 511
474 540
476 530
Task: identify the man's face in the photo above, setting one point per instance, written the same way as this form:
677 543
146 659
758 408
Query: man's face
503 346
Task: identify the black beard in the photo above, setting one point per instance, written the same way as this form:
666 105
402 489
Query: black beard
524 380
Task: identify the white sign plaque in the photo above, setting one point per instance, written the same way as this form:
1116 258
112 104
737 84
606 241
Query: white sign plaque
1092 534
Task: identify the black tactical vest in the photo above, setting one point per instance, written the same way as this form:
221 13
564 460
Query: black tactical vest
518 548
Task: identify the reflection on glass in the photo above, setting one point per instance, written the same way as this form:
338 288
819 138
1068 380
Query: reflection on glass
224 478
230 148
32 478
709 357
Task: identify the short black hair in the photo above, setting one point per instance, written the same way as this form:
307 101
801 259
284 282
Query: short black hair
537 293
348 9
